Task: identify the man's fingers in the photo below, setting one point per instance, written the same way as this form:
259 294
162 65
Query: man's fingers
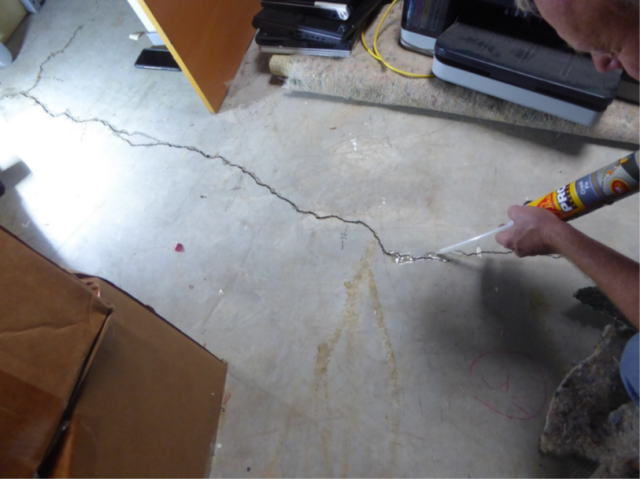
501 238
512 212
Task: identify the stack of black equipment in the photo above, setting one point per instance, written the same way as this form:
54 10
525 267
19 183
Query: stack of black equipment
325 28
492 47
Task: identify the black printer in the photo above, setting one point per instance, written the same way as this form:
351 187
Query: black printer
492 47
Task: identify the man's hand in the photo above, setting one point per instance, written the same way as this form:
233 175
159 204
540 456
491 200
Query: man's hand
532 232
538 231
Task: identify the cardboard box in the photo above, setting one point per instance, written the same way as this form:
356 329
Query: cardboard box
50 325
150 404
148 399
11 14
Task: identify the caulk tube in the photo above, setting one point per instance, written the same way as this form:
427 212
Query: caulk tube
606 185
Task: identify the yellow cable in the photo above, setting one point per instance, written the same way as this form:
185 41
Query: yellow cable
376 54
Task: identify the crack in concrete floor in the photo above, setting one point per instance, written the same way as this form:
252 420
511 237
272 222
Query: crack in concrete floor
51 56
400 258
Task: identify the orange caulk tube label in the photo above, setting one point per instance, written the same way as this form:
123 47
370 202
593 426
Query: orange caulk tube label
605 185
564 202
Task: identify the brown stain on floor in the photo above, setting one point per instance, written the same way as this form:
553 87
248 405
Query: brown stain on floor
391 362
350 317
363 282
349 322
538 304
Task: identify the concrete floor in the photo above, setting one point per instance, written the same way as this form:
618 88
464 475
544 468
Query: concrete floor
341 363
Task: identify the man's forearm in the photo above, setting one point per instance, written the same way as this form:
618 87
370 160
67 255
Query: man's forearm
615 274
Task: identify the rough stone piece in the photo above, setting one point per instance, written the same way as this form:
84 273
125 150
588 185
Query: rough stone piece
590 414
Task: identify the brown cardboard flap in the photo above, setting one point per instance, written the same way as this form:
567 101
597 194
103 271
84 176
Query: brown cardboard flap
149 406
78 455
50 322
28 420
50 319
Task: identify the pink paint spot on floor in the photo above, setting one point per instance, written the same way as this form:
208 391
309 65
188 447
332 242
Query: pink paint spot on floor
179 248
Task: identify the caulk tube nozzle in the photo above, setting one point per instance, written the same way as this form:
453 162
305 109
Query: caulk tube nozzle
448 249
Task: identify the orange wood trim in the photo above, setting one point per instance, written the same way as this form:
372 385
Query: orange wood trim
175 54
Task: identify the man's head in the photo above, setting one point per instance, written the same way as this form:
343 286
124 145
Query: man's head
608 29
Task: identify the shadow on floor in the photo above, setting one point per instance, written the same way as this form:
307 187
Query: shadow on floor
14 214
511 305
511 314
587 317
565 143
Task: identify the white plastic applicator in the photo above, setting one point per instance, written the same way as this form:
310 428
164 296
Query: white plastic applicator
476 238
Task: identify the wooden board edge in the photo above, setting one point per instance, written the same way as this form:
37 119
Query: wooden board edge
176 55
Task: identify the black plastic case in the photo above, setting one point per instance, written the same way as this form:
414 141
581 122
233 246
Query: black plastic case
157 59
312 28
308 7
556 73
266 39
429 17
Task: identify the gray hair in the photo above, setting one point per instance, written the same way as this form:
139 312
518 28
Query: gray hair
526 6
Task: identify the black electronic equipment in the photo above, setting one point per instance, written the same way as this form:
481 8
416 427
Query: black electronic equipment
334 9
553 80
628 89
424 20
270 43
495 48
311 28
157 59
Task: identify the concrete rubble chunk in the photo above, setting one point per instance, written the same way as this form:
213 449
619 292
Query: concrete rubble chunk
590 415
